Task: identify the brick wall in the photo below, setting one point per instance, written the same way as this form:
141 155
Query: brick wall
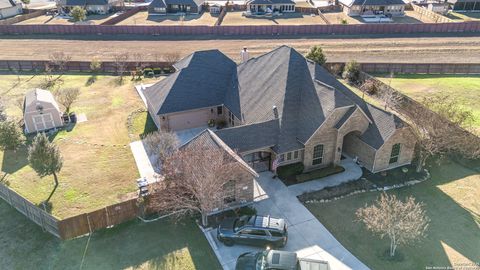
355 147
406 139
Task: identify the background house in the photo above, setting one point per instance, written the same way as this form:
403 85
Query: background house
373 7
41 111
175 6
465 5
91 6
269 6
10 8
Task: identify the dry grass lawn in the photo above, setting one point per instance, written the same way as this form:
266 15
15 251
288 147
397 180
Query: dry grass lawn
142 18
46 19
236 18
464 16
453 236
98 165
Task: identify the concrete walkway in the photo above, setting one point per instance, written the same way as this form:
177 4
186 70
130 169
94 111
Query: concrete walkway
307 236
144 166
352 172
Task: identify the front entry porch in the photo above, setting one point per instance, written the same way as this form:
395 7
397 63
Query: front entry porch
259 161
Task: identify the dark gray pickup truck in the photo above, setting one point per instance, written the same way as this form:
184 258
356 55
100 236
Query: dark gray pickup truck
278 260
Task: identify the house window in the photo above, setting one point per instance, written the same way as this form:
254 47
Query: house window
229 189
317 154
289 155
395 153
232 120
281 158
295 154
219 110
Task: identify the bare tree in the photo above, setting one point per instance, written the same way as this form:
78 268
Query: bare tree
160 145
120 63
402 222
59 60
171 58
451 108
19 103
67 97
195 182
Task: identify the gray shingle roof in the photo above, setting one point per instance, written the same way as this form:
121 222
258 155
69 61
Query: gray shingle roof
371 2
383 123
203 79
208 139
284 78
304 93
251 137
164 3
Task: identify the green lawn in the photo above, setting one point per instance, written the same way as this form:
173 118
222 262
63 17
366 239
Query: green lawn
134 245
99 168
465 87
453 237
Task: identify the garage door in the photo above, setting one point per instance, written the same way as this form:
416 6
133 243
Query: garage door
43 121
189 120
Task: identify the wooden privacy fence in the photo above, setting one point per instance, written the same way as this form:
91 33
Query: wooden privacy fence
109 66
48 222
23 17
240 30
124 15
430 14
74 226
99 219
80 66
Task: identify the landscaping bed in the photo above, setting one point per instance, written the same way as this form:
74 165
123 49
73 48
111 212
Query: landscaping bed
291 174
98 166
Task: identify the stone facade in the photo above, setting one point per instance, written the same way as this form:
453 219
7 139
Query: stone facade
356 148
406 139
357 123
327 136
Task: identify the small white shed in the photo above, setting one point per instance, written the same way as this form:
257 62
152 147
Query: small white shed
41 111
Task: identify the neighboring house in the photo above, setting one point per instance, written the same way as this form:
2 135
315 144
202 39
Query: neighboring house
269 6
9 8
240 182
373 7
465 5
91 6
163 7
41 111
279 106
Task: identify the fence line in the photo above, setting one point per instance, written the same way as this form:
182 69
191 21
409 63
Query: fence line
48 222
430 14
241 30
23 17
124 16
110 66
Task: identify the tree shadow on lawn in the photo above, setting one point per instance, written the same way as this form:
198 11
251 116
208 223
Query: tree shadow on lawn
130 245
451 225
14 161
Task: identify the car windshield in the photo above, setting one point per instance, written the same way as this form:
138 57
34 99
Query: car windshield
261 260
240 222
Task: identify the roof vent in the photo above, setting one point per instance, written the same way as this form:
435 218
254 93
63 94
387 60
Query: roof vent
244 55
275 111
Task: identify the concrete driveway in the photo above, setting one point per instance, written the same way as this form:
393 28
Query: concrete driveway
307 236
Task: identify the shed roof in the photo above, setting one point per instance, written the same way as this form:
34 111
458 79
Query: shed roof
40 95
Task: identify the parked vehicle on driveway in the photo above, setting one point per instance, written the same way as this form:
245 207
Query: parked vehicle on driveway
253 230
277 260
